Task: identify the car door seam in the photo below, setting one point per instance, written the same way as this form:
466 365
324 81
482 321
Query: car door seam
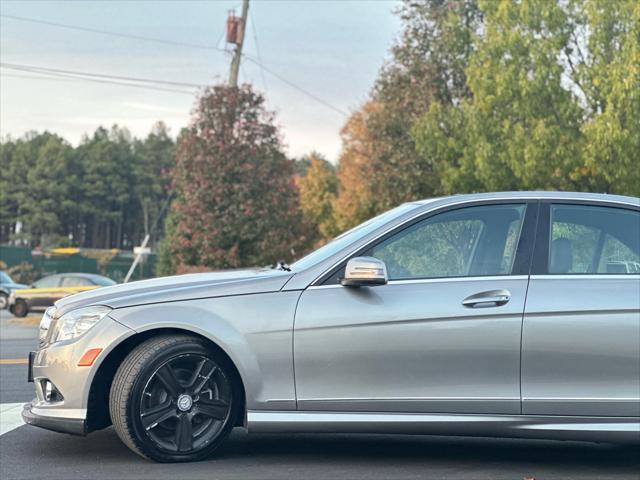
293 348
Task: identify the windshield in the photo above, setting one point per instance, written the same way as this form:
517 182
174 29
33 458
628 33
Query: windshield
350 237
102 281
4 278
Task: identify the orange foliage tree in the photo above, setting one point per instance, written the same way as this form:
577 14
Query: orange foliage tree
355 202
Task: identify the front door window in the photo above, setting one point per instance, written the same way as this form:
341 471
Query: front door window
473 241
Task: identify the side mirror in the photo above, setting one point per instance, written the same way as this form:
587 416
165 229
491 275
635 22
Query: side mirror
365 272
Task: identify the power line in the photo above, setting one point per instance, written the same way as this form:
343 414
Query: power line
35 68
36 77
87 77
257 62
255 39
112 34
296 87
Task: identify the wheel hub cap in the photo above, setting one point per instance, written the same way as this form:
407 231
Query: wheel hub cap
184 402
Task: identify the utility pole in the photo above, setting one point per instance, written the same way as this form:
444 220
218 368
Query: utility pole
240 24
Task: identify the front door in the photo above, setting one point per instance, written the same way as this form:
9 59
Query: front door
581 334
442 336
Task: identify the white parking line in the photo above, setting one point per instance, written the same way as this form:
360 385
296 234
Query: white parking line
10 416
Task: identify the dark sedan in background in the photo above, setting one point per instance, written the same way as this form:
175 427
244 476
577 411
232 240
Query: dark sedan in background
7 285
44 292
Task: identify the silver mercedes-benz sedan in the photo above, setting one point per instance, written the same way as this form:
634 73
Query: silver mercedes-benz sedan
503 314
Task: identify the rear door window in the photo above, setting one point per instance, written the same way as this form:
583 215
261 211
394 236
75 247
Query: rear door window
594 240
76 282
47 282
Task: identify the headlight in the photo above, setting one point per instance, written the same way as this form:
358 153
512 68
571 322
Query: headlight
77 322
45 323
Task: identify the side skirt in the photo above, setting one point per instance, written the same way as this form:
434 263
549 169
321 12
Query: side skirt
601 429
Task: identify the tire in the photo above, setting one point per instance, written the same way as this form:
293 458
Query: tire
174 399
4 300
20 308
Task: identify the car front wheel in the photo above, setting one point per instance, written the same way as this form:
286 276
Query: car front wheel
173 399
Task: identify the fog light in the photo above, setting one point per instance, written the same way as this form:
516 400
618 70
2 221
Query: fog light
51 393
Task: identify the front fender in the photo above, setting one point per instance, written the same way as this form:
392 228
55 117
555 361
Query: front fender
255 331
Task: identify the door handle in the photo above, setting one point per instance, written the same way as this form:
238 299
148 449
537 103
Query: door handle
491 298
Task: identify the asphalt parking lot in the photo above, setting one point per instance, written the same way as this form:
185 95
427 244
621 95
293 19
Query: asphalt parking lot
29 453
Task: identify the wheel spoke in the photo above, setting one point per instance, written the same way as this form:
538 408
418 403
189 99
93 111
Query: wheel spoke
197 373
216 409
184 434
168 378
203 381
158 414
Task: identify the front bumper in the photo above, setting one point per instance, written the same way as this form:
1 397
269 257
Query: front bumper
75 426
58 364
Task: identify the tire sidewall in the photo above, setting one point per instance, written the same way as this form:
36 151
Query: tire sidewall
4 300
20 308
143 442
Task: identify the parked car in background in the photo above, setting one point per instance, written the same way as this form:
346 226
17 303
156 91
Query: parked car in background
488 315
44 292
623 266
7 285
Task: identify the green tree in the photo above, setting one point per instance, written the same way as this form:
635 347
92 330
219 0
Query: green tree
318 189
520 128
10 185
154 158
236 203
46 210
106 160
104 193
610 76
37 185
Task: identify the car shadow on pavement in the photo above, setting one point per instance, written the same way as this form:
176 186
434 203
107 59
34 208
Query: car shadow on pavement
28 452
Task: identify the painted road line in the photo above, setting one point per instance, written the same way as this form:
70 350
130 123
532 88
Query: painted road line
14 361
10 416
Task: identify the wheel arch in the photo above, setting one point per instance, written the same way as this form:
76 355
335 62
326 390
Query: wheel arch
98 416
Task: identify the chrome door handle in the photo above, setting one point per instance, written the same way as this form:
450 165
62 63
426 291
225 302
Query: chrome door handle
491 298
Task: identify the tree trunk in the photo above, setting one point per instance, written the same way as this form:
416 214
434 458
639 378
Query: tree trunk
107 236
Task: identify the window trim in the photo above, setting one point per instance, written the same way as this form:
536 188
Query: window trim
542 250
523 254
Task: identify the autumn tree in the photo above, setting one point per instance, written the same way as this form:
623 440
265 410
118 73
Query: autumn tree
427 65
236 204
318 188
356 200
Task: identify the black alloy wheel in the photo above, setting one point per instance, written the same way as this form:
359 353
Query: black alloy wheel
173 399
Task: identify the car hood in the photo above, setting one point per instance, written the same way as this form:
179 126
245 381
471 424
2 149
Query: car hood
13 286
179 287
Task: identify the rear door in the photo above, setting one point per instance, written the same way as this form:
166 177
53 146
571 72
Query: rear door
581 331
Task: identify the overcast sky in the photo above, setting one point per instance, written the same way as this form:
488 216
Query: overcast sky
332 49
